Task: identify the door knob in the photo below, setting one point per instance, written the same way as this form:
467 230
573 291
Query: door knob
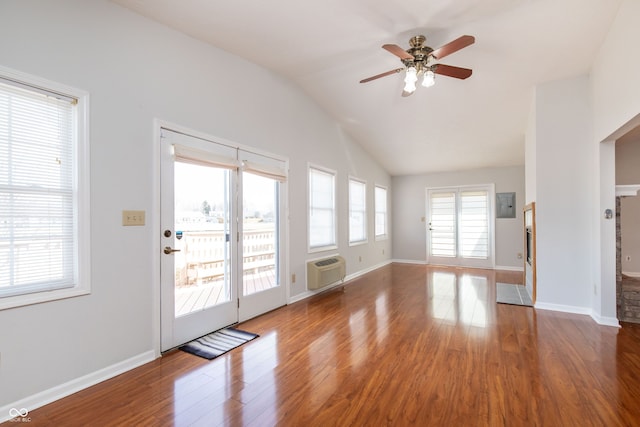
168 250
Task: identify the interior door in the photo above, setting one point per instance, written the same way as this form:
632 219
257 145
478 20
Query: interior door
261 252
460 230
198 281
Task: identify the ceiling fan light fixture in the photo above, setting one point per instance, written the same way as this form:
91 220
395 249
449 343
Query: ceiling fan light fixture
410 79
429 78
420 62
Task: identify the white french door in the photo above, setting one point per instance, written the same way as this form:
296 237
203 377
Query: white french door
459 229
261 253
222 240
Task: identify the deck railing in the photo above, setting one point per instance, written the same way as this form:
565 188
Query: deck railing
202 255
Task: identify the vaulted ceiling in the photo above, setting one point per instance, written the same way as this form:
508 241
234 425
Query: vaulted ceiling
327 47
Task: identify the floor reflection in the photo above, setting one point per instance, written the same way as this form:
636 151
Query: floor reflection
456 297
358 328
473 300
382 318
443 293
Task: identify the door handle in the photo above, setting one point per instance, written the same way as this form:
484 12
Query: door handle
169 250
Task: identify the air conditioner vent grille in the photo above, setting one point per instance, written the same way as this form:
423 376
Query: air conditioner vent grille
327 261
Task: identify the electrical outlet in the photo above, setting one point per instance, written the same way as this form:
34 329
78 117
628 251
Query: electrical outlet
293 278
360 258
383 252
132 218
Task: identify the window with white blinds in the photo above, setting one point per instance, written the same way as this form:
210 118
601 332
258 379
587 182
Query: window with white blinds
39 207
380 202
357 211
322 209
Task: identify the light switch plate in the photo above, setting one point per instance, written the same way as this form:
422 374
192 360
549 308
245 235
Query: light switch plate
132 218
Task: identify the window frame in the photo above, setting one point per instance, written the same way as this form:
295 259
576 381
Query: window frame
334 174
365 238
80 187
385 234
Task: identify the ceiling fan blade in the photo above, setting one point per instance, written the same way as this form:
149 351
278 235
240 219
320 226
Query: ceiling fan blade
454 46
397 51
377 76
451 71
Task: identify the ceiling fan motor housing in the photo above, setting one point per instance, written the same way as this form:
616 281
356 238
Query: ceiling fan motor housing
420 53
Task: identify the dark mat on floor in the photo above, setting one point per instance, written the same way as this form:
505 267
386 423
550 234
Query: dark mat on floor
218 343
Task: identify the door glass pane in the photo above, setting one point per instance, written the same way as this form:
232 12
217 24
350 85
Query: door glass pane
202 268
474 232
443 224
259 233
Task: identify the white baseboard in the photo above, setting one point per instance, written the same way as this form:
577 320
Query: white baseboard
631 273
357 274
508 268
573 309
605 321
423 262
410 261
63 390
348 278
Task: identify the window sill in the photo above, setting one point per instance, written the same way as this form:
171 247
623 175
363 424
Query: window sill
40 297
322 249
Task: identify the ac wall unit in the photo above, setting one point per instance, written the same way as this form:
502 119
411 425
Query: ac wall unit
324 272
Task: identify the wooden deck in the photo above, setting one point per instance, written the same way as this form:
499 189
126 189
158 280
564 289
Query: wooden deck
198 297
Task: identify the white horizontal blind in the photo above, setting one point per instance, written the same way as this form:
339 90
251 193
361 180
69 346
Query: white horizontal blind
322 218
357 211
206 158
277 173
443 224
380 201
37 197
474 232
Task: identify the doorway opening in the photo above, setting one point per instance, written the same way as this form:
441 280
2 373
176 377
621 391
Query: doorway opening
627 157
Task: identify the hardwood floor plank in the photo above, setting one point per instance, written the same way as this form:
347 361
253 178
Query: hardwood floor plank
403 345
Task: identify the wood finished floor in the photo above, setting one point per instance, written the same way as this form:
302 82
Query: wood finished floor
404 345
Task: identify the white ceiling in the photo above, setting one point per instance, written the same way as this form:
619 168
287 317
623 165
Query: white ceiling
327 47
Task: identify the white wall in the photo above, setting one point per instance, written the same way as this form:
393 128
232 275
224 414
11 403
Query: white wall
628 172
530 153
136 71
575 173
615 78
564 163
615 97
409 203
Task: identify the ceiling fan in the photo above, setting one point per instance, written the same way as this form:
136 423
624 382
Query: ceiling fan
419 60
